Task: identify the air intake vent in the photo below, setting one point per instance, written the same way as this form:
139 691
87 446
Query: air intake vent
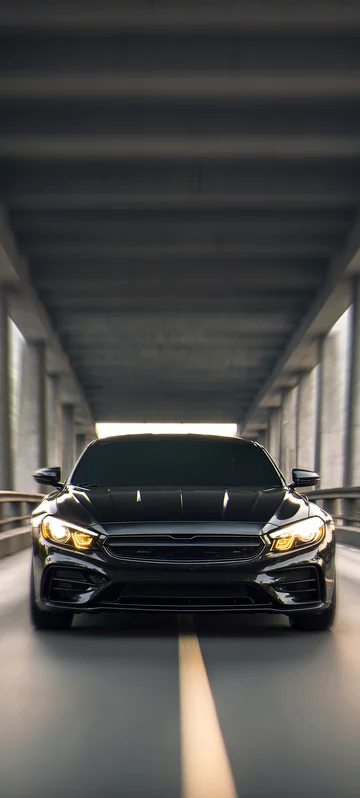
68 584
181 548
301 585
168 596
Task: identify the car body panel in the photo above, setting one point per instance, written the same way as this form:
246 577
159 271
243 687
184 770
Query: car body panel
182 515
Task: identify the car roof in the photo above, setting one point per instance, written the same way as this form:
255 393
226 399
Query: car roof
174 437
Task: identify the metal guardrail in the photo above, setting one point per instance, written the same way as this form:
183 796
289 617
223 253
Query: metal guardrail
342 503
16 508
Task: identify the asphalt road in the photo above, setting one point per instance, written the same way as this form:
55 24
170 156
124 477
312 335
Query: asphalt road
150 706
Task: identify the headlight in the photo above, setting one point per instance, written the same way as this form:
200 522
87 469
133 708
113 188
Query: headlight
59 531
302 533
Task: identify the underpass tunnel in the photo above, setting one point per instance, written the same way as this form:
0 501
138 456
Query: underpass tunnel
180 252
179 227
312 422
179 231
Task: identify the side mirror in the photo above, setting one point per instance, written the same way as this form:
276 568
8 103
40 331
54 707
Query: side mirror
49 476
303 478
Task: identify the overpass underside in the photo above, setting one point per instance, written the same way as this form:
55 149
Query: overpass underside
183 182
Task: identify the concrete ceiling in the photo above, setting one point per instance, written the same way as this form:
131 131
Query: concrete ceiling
181 178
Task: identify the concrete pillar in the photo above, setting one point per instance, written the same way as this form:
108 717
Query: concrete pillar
288 433
79 444
31 448
90 438
6 466
352 425
318 408
275 434
266 435
53 419
68 439
331 410
16 345
306 421
261 437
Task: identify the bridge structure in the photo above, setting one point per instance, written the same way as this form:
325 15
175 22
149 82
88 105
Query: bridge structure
180 242
179 228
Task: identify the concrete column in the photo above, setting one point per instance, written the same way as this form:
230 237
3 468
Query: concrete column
79 444
68 439
31 449
352 425
261 437
288 433
266 433
275 434
90 438
306 421
319 389
53 419
332 407
6 466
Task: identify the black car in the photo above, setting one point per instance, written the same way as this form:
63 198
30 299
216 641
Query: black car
181 523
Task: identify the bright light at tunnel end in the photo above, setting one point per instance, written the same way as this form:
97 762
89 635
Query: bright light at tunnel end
106 430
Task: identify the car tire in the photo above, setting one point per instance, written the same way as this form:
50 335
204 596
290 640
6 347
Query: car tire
47 620
315 621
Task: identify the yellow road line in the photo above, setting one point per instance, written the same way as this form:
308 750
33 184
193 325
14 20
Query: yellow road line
206 771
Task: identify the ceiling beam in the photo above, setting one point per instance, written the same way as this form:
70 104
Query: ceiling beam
254 199
95 250
200 87
135 185
223 147
262 15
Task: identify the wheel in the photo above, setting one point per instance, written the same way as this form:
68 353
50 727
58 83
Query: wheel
315 621
47 620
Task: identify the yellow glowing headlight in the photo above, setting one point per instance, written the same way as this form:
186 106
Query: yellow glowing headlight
59 531
293 536
82 540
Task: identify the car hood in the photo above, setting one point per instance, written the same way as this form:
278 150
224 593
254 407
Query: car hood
104 507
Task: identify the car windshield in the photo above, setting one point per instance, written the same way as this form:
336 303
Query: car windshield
181 462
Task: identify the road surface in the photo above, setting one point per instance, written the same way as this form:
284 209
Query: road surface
131 707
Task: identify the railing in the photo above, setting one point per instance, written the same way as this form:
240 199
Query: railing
342 503
16 508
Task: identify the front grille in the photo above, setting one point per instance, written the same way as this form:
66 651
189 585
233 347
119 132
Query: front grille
170 596
67 584
180 548
301 585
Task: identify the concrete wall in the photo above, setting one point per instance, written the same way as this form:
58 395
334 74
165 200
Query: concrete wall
309 429
31 433
275 434
6 471
288 433
352 419
306 420
53 420
333 404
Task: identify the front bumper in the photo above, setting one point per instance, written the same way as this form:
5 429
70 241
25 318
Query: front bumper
96 582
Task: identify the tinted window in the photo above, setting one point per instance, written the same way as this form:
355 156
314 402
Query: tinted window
180 462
